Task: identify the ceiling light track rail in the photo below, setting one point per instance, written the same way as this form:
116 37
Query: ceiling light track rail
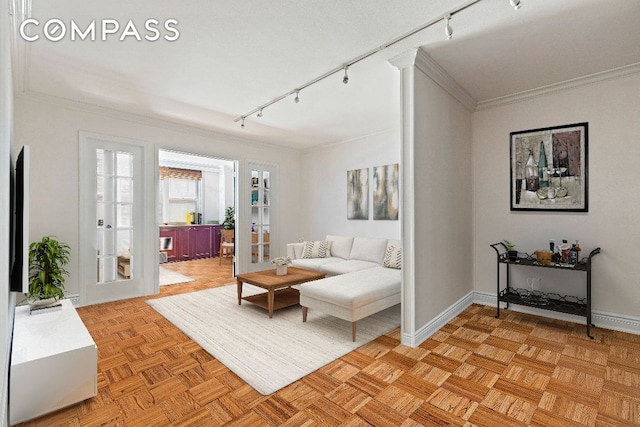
516 4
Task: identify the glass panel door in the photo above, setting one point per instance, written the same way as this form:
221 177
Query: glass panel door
118 258
114 216
260 215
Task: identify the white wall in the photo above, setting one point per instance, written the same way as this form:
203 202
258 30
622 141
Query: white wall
228 187
323 203
442 200
7 299
51 128
211 195
612 109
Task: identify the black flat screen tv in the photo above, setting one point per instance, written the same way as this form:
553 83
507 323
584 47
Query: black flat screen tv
20 224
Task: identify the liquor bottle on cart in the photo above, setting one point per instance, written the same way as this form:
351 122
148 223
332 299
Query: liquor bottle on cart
573 254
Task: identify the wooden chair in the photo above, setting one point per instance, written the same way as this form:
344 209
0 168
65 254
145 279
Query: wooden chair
227 245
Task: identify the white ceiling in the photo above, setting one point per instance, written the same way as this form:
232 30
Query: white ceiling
233 56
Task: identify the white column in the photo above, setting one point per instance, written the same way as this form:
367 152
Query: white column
405 63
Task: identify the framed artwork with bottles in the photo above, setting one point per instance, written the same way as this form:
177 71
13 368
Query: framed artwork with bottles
549 169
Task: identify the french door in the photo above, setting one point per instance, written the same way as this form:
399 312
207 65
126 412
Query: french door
262 214
114 261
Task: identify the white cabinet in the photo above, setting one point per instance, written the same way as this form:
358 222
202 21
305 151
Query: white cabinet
54 362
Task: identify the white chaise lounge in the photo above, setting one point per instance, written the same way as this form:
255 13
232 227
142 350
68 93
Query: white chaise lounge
364 276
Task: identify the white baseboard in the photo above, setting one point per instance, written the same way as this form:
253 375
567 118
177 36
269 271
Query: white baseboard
74 297
613 321
438 322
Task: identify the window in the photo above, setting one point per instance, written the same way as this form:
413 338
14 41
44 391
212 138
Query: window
180 195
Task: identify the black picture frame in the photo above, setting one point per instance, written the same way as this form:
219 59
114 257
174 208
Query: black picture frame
549 169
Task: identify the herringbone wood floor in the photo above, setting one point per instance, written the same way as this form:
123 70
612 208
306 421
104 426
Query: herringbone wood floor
519 370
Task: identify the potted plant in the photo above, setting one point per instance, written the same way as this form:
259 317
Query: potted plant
281 265
47 259
511 252
229 222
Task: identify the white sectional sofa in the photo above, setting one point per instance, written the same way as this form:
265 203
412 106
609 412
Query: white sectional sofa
363 276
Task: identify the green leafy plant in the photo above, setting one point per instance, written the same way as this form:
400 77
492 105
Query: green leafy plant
229 219
510 246
511 250
47 259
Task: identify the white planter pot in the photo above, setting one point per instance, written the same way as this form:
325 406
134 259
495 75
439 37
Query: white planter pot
36 303
281 270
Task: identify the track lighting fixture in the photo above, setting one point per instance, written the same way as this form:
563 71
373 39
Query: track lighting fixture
448 31
515 4
242 124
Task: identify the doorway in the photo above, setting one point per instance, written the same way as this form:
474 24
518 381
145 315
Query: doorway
196 209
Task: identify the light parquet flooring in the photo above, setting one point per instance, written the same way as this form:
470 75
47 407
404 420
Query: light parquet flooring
520 370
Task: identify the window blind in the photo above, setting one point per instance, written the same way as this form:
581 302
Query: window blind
177 173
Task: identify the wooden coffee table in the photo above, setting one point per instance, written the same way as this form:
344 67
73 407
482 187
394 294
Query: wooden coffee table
276 285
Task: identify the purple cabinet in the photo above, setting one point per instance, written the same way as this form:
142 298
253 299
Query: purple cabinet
183 251
190 242
168 243
200 239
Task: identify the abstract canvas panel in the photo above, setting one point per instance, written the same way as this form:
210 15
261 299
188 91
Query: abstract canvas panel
385 192
358 194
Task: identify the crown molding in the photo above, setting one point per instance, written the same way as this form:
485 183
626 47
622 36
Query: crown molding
334 144
433 70
140 119
20 49
405 59
425 63
557 87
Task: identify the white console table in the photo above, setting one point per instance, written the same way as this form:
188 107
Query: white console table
54 362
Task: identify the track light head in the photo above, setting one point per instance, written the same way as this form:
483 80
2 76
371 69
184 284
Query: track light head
297 98
345 79
448 31
242 123
515 4
260 113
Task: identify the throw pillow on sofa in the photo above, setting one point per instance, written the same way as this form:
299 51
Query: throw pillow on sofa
393 257
319 249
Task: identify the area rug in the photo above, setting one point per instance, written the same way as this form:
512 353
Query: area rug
170 277
267 353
